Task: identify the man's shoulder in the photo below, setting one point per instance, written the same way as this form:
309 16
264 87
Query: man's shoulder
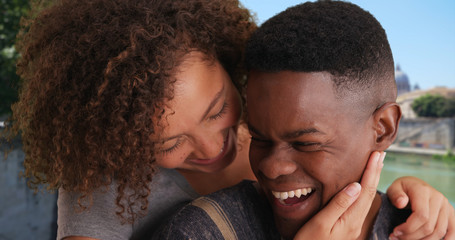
388 218
237 212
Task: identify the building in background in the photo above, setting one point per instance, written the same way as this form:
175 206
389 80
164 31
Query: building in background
425 133
402 81
405 100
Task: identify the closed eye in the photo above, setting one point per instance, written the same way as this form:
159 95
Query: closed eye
306 146
220 113
173 148
260 142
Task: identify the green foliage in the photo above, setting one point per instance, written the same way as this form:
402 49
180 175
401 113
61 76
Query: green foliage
448 109
434 106
10 14
448 157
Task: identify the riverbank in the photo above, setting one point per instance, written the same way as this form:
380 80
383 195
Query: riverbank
422 151
439 174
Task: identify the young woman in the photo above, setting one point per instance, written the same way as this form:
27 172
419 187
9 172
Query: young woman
132 108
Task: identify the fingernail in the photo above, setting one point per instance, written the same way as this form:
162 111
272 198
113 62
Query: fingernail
353 189
400 201
377 157
381 159
397 233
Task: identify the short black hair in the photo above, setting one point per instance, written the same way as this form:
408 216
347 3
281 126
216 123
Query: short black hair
330 36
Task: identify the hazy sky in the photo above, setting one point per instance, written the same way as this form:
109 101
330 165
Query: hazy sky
421 34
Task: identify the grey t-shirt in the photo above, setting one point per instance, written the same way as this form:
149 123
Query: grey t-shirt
169 192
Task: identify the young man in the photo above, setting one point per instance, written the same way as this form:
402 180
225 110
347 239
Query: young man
325 73
321 99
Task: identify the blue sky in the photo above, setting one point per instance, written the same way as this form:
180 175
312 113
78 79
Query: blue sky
421 34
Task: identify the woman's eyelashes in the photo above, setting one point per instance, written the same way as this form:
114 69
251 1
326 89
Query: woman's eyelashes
173 148
220 113
179 141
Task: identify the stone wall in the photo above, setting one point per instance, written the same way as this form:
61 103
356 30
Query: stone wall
427 133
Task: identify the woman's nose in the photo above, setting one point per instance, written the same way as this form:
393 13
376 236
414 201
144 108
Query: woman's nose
276 164
209 146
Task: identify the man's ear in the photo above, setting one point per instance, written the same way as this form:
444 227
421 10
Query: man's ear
386 120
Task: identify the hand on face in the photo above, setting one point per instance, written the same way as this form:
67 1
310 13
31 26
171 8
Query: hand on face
433 217
341 218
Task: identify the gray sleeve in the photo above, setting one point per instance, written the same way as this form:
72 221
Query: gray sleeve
169 191
99 221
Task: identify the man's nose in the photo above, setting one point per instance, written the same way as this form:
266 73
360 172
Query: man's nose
277 163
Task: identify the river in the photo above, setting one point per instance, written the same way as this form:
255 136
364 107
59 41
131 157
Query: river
440 174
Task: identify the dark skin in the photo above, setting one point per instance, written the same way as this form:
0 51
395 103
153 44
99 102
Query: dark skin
309 139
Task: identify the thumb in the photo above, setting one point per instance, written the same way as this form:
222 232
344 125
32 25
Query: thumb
397 194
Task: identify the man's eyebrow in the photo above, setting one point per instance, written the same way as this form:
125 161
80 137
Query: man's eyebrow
300 132
213 103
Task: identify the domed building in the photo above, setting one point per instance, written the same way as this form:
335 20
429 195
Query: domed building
402 81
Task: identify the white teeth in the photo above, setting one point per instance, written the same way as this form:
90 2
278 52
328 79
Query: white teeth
304 191
298 193
290 194
224 143
276 194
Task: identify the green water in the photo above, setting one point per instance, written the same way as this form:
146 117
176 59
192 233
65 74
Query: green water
439 174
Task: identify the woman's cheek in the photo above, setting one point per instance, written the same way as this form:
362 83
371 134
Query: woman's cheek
236 110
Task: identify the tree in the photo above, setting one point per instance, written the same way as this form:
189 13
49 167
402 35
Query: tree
448 110
10 14
434 106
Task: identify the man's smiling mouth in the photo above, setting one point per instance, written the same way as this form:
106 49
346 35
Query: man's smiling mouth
294 196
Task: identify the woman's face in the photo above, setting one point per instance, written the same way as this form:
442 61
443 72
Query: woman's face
201 121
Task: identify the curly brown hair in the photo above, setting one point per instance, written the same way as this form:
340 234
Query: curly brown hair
97 74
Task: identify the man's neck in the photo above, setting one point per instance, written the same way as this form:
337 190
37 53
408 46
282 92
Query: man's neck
367 226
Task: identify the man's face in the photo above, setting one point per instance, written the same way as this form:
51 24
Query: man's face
305 141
